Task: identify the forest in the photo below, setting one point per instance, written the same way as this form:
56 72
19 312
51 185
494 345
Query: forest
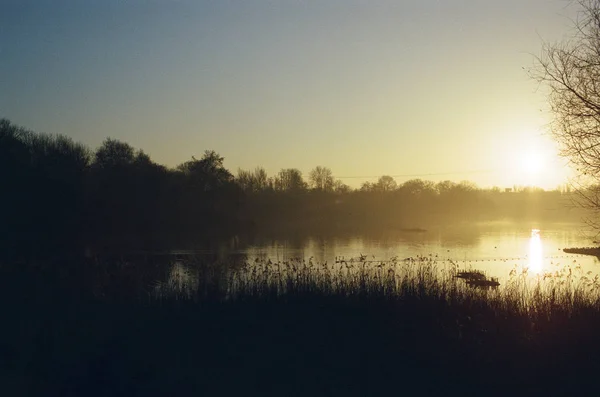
61 196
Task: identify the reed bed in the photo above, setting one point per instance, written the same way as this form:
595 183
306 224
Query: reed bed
299 327
566 289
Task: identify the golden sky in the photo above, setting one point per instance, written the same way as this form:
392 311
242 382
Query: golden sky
430 89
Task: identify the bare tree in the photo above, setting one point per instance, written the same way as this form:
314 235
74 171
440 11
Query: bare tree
321 178
341 187
289 180
417 187
570 70
386 184
367 187
253 181
444 187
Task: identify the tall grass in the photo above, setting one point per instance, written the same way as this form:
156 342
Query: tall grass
566 289
299 327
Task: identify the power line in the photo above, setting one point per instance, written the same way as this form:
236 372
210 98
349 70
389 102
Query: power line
416 175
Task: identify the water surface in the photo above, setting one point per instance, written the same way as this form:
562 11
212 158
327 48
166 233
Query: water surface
495 248
498 249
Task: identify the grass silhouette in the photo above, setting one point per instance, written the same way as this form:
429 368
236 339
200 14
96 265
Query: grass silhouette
299 327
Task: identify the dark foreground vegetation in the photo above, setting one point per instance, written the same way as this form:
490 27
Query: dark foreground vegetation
295 328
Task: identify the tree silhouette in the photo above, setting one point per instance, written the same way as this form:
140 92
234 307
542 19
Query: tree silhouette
42 198
58 196
253 181
367 187
386 184
321 178
340 187
571 70
290 180
207 173
417 187
444 187
114 154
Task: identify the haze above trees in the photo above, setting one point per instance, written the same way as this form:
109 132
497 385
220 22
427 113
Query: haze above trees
59 194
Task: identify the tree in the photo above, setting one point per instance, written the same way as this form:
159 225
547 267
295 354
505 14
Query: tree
466 186
114 153
207 173
341 187
253 181
367 187
386 184
15 161
444 187
42 179
571 72
290 180
321 178
417 187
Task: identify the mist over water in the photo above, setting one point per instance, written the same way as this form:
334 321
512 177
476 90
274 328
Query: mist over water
496 248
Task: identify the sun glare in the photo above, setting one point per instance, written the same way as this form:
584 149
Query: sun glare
535 251
532 163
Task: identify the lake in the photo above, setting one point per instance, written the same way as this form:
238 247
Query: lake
495 248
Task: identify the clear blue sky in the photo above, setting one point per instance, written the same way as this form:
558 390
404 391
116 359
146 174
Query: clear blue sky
363 87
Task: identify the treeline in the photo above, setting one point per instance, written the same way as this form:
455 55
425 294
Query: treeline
414 204
58 194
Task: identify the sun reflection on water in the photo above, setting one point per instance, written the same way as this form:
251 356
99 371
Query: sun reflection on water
535 252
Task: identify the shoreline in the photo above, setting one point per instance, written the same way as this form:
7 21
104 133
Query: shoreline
594 251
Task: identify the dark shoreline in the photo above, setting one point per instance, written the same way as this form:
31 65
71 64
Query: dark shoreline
594 251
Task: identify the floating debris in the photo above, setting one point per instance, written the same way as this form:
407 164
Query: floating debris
491 283
478 279
471 275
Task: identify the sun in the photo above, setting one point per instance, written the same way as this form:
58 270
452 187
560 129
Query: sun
532 163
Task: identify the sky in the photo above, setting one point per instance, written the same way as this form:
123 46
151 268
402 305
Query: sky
429 89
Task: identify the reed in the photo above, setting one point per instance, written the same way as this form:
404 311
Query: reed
299 327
